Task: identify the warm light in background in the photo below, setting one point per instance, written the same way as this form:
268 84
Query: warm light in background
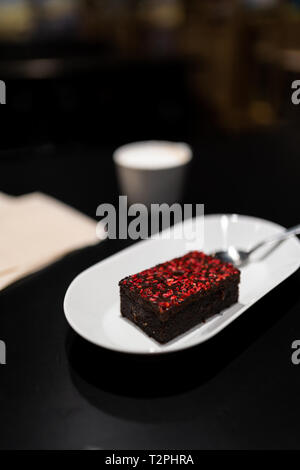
237 55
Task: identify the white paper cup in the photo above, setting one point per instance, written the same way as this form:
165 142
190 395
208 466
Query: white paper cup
152 171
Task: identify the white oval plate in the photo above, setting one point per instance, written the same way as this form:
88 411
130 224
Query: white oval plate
92 305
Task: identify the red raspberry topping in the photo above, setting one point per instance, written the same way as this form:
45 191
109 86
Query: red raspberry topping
169 284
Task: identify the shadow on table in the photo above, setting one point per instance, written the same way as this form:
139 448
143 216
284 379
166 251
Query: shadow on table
113 382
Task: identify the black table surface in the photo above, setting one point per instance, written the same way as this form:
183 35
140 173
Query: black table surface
240 390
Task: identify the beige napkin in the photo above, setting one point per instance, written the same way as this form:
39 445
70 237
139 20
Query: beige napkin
36 230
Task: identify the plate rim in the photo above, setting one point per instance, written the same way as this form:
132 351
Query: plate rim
216 331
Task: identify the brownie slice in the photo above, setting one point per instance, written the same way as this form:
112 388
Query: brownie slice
170 298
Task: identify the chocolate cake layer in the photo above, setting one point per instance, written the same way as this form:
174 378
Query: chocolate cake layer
170 298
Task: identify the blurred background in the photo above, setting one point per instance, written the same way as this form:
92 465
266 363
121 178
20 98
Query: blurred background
94 74
84 77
